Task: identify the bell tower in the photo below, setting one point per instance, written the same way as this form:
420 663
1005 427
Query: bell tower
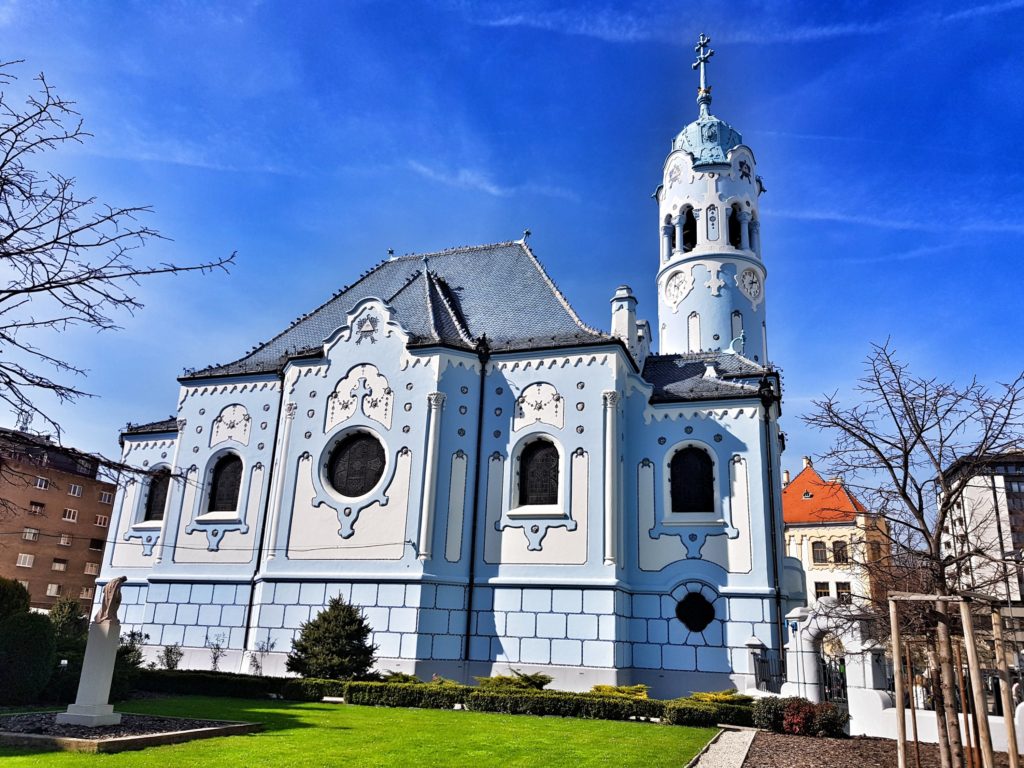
710 277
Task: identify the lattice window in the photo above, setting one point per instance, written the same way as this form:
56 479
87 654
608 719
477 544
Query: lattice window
819 553
156 499
840 552
227 479
356 465
538 474
692 479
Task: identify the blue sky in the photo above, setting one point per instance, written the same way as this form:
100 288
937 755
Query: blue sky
311 137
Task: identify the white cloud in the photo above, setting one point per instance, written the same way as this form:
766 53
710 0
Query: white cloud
469 178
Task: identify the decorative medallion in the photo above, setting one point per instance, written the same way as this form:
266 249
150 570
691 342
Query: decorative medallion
366 329
233 423
539 403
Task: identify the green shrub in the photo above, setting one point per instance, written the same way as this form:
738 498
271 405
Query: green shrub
170 656
798 717
27 653
13 598
724 697
211 683
692 713
312 689
69 624
423 695
637 691
512 701
829 720
127 665
335 645
517 680
63 685
725 714
399 677
767 713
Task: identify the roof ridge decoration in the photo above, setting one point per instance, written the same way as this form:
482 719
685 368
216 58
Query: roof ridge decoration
441 286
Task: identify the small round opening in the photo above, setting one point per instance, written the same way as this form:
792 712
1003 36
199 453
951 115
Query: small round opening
695 612
356 465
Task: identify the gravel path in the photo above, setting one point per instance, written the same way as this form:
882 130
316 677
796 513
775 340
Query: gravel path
44 723
728 752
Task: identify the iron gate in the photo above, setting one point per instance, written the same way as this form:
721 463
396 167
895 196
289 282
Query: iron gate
832 675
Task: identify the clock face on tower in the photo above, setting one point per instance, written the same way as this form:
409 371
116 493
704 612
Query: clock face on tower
678 286
749 283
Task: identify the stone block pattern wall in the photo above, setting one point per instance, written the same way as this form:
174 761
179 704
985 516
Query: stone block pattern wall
188 614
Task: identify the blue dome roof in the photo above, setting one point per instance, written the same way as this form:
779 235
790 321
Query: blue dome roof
708 139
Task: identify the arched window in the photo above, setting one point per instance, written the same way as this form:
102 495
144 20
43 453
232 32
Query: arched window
538 474
356 465
692 479
735 227
819 554
156 498
693 332
840 553
227 479
689 230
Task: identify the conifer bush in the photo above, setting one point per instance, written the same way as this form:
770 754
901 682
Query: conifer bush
27 653
335 645
13 598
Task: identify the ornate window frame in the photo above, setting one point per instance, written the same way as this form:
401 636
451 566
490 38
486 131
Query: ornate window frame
714 516
518 511
215 524
148 531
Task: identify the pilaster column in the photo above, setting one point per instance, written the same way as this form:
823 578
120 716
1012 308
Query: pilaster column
745 230
755 236
702 235
666 242
678 222
611 474
282 465
435 402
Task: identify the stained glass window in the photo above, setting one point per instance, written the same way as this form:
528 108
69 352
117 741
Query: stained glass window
356 465
156 499
692 479
538 474
227 479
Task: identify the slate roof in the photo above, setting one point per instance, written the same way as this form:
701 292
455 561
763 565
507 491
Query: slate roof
684 377
170 424
451 297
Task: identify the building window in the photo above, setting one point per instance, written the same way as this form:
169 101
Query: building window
92 569
42 483
36 508
156 498
843 592
65 540
689 229
102 521
30 534
25 561
59 564
96 544
106 497
538 474
86 593
875 551
70 515
53 590
74 490
695 612
737 324
692 481
227 479
23 583
818 552
821 589
356 465
840 552
735 238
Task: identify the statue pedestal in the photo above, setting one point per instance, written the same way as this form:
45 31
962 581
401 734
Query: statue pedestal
91 707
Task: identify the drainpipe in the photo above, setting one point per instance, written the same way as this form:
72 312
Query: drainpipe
483 352
769 397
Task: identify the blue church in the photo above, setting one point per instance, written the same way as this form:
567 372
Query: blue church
447 445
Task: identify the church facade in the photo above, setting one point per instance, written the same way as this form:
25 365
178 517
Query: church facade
445 444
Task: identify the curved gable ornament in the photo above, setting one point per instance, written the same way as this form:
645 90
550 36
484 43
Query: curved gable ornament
362 388
232 423
370 321
539 403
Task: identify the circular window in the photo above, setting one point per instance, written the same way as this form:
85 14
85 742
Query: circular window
695 612
356 465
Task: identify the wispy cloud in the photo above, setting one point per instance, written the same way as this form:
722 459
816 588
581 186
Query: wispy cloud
899 221
184 154
627 27
468 178
927 251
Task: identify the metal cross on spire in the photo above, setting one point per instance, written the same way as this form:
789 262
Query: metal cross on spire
702 57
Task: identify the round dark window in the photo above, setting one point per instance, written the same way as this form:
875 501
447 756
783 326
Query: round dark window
695 612
356 465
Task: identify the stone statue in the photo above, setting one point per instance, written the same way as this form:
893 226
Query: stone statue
111 600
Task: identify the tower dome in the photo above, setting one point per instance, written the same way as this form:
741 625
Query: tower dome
711 278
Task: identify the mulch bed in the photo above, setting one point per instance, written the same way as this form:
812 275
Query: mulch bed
773 750
45 724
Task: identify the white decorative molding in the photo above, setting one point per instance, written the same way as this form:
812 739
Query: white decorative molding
539 403
232 423
672 412
231 389
456 506
146 445
567 361
370 321
611 475
363 386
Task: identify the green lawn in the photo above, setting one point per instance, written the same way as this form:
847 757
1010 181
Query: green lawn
361 737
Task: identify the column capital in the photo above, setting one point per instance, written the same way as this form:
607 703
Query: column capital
436 399
290 409
610 397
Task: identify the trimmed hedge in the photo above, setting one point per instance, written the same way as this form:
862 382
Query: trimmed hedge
693 713
182 681
423 695
565 704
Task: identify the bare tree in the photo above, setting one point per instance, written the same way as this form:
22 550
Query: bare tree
67 259
910 447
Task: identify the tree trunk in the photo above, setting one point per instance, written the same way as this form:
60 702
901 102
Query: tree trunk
945 650
939 704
